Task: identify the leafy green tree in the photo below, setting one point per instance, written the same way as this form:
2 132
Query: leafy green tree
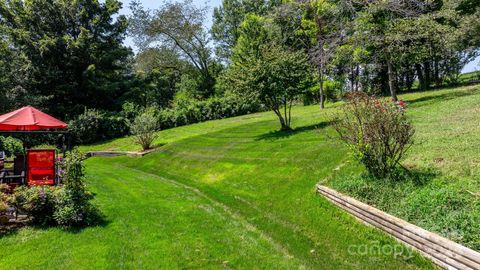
180 27
74 49
229 16
144 128
253 35
157 73
276 76
322 23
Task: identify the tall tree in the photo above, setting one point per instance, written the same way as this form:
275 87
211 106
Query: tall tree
74 48
275 75
180 27
228 17
371 29
323 24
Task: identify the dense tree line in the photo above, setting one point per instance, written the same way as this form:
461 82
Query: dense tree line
63 55
372 46
68 56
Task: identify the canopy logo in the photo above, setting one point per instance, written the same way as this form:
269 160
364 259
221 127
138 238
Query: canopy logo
376 249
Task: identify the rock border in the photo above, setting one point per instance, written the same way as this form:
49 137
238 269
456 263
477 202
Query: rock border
442 251
118 153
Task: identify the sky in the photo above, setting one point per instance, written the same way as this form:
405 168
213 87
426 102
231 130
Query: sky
154 4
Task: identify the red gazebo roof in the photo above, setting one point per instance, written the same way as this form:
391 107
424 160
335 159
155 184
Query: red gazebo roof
29 119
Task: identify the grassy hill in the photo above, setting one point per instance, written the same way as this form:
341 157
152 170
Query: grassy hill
236 193
442 192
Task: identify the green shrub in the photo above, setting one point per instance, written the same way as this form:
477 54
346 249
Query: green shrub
38 202
332 90
73 202
4 198
93 126
377 131
144 128
10 145
189 110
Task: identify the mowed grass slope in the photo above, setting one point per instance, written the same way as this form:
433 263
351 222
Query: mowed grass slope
442 194
151 223
227 194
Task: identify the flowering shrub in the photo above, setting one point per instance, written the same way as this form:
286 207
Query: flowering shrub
4 204
4 198
73 201
37 201
68 205
377 131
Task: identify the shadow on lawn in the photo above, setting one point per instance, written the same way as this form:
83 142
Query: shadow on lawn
12 229
9 229
413 176
418 177
103 222
443 97
281 134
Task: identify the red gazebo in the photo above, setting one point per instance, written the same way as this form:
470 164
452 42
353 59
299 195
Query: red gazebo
28 119
39 163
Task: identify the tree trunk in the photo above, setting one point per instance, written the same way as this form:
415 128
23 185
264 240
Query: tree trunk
421 78
409 78
428 77
438 81
282 120
357 75
391 80
352 79
322 96
320 91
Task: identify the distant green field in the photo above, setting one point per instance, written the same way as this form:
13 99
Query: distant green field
470 76
226 194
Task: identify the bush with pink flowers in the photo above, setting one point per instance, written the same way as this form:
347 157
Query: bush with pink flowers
377 130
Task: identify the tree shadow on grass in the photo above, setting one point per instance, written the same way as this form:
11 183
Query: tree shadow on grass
414 176
12 228
281 134
418 177
443 97
102 223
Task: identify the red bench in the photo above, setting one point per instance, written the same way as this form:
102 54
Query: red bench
40 167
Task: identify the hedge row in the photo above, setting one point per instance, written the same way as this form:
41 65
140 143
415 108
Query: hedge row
94 126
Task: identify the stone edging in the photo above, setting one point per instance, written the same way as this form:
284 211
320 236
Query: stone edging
117 153
442 251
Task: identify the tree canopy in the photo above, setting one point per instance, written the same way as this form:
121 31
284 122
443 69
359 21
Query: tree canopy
71 53
69 57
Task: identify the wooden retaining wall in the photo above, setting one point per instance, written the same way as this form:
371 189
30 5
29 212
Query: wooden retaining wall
445 253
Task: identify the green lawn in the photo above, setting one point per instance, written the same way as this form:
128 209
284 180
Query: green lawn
237 194
226 194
